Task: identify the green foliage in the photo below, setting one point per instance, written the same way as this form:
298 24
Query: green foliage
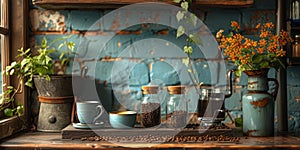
66 48
28 65
14 111
187 20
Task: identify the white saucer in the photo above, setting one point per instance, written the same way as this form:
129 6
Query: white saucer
87 126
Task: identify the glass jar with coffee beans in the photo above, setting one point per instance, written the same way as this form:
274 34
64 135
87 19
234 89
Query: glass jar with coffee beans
150 106
177 107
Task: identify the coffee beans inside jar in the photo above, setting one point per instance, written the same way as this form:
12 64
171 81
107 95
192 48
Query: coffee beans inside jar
177 119
150 114
150 107
177 107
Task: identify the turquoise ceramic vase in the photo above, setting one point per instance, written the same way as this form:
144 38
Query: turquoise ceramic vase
258 104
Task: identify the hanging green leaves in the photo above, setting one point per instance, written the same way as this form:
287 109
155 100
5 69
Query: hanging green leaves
180 31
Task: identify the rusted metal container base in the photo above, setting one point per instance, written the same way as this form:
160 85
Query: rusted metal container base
55 113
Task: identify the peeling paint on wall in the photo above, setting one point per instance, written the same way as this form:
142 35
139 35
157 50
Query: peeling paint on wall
47 20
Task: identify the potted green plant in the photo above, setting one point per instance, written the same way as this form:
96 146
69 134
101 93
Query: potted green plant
50 73
24 68
38 71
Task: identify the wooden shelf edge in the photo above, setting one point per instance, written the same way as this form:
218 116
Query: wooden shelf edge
91 4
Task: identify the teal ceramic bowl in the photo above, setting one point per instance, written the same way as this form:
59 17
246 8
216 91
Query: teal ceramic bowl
122 119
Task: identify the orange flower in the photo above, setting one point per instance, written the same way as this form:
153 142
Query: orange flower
260 50
235 25
264 34
280 53
262 42
240 50
257 26
269 25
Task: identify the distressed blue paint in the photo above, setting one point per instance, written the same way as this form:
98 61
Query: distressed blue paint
48 20
139 75
164 73
121 19
264 4
235 101
258 107
293 92
102 71
116 45
293 75
105 95
294 121
220 18
250 17
89 48
85 20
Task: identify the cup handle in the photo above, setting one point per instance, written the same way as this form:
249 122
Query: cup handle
100 109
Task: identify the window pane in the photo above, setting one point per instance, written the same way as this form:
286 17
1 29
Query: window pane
1 43
1 13
1 37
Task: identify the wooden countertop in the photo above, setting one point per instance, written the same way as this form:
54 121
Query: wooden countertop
42 140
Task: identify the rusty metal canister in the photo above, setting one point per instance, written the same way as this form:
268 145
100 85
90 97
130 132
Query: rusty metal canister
56 101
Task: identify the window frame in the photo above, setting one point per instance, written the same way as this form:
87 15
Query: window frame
15 37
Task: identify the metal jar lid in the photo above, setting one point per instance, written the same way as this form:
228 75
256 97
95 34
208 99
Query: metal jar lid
297 38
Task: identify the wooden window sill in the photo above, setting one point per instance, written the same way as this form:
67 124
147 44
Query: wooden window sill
41 140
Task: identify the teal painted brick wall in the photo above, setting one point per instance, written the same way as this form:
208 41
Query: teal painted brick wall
142 71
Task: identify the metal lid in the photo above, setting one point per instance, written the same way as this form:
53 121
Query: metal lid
297 38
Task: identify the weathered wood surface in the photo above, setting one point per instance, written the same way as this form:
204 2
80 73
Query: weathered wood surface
75 4
71 133
39 140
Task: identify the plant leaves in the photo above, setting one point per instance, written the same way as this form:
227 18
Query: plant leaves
264 64
44 43
71 46
13 64
29 84
20 109
196 39
11 72
60 45
193 19
176 1
186 61
24 62
48 78
180 31
256 59
188 49
185 5
8 112
179 15
27 51
230 34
